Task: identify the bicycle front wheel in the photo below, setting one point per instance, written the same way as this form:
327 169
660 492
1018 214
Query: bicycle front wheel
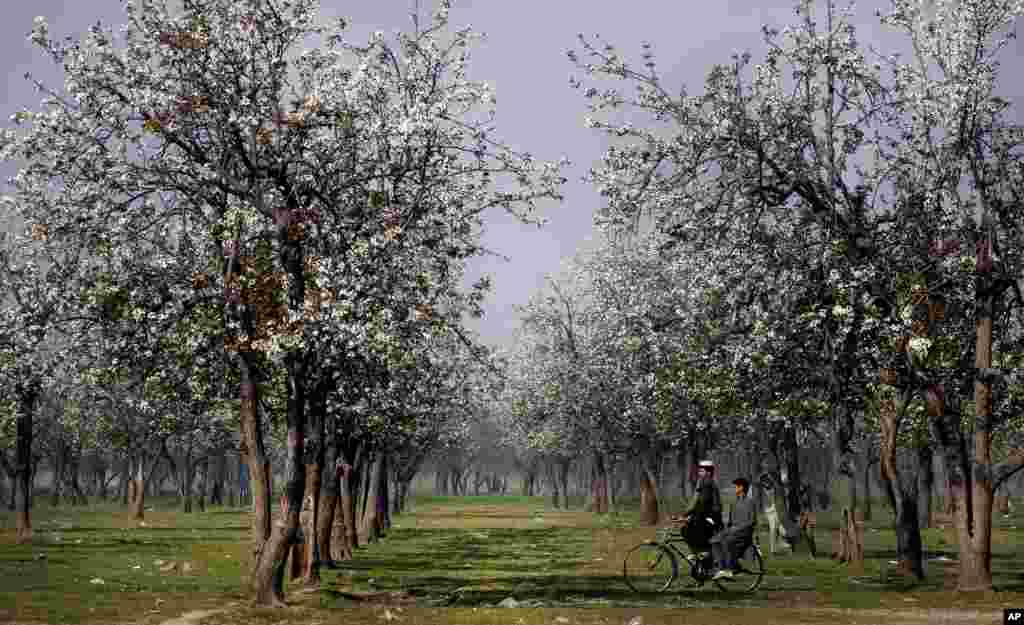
650 567
749 575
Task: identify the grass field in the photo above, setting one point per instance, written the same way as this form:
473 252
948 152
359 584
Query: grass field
454 560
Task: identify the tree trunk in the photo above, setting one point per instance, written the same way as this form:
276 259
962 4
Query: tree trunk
403 492
528 477
613 483
296 553
681 466
339 538
927 483
287 532
553 480
976 559
696 455
311 574
867 487
217 481
231 488
59 459
4 468
185 481
791 483
328 504
253 452
349 480
599 487
23 464
855 471
103 479
648 495
137 497
74 465
125 481
371 520
204 485
562 476
901 491
383 510
845 459
315 458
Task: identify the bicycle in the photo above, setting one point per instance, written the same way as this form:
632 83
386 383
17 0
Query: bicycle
653 565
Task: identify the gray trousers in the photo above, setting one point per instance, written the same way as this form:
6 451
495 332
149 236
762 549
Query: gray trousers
728 545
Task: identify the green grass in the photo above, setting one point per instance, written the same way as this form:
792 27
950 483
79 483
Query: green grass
447 552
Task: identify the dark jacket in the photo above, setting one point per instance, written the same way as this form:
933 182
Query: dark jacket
743 515
706 502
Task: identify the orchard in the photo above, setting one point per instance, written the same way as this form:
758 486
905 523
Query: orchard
236 266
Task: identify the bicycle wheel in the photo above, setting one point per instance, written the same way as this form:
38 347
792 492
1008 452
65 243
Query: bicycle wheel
749 575
650 567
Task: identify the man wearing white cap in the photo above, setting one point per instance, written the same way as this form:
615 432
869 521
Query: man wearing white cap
704 514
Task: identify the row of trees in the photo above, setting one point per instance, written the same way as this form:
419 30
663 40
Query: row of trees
220 241
823 248
223 242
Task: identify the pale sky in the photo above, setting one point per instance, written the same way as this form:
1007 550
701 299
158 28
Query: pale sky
524 60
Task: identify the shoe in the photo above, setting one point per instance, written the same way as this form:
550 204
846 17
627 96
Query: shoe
723 574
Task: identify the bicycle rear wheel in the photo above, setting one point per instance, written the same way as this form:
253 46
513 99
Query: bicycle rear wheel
650 567
749 575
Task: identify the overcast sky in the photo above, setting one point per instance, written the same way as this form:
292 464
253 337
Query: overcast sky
524 59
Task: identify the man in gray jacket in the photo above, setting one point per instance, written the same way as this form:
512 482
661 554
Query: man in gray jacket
730 543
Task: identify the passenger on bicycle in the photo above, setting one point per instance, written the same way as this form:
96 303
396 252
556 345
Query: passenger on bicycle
730 543
703 517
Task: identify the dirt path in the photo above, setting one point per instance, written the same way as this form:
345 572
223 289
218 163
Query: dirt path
377 615
192 618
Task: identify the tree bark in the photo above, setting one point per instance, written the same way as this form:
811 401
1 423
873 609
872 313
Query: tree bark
372 521
553 480
845 458
925 456
403 493
185 480
867 487
901 491
59 460
383 510
125 481
976 559
137 496
649 514
258 466
613 482
330 489
564 464
74 465
204 485
314 471
791 483
855 471
599 489
287 530
23 462
339 540
349 479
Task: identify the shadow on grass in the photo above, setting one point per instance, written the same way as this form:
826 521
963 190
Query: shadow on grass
536 558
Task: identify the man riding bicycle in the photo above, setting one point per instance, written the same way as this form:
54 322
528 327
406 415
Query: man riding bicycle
703 517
